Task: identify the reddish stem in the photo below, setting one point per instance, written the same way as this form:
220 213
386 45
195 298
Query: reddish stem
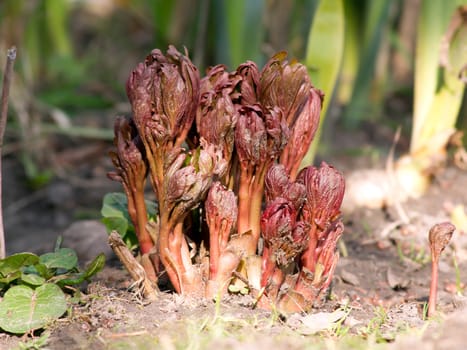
219 239
433 287
165 254
145 241
308 258
268 266
256 202
214 251
175 247
243 222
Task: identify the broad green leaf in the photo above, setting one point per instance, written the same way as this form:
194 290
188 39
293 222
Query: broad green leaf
115 216
41 269
15 262
32 279
116 224
324 56
76 278
63 258
24 309
10 277
115 205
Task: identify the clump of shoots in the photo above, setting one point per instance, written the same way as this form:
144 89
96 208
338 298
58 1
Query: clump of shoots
222 154
439 237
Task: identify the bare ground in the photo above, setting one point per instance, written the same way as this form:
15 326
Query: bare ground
382 280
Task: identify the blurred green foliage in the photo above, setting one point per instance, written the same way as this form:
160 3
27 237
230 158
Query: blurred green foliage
76 55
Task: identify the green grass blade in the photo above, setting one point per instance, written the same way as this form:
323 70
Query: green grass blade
162 13
376 21
352 48
440 119
433 20
324 56
57 20
239 31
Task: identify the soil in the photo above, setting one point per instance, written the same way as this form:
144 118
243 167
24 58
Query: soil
382 278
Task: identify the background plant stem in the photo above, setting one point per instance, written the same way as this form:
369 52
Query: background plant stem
7 76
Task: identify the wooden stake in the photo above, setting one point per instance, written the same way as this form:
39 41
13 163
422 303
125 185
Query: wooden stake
7 76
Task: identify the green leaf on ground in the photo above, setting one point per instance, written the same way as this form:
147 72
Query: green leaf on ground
15 262
10 277
24 309
76 278
63 258
95 266
32 279
115 216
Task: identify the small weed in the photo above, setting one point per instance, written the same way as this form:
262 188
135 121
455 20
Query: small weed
413 253
459 285
373 329
34 343
339 329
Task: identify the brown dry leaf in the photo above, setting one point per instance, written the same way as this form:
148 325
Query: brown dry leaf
314 323
349 278
396 281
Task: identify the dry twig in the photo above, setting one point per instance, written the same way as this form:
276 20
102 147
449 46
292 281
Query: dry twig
7 76
132 265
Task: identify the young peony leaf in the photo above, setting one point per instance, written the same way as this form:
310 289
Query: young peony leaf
439 237
181 183
285 85
210 161
164 92
221 208
24 309
185 190
250 136
302 132
216 115
277 131
249 83
283 235
324 191
278 219
129 158
278 184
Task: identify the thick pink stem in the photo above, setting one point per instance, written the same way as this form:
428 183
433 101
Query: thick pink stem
256 202
267 268
243 222
145 241
308 258
433 288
